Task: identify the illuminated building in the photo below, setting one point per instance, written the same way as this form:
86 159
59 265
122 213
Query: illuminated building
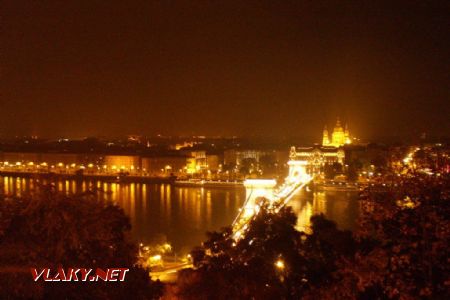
237 156
91 163
185 144
213 162
167 165
326 138
339 136
198 161
316 157
123 163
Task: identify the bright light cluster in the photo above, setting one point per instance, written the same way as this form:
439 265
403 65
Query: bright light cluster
264 188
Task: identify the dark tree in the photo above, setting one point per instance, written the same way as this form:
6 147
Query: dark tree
399 251
268 164
353 169
380 163
51 230
272 261
248 166
331 170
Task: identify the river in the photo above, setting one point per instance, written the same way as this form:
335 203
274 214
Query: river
181 216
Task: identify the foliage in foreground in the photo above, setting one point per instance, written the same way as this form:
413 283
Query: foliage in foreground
399 251
51 230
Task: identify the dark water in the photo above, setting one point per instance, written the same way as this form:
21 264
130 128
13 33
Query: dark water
341 207
181 215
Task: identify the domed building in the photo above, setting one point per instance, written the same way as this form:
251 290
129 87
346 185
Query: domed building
316 157
339 137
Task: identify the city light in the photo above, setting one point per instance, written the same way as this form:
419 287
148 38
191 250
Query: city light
279 264
264 189
225 150
156 257
167 247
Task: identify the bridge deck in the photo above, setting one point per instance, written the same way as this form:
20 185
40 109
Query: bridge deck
281 197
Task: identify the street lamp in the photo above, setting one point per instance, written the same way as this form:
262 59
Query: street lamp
279 264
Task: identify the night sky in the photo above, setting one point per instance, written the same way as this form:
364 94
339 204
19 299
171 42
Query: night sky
263 68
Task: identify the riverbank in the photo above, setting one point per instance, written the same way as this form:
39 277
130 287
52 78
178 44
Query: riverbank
209 183
100 177
337 187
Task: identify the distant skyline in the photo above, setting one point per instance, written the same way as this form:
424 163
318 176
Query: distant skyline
243 68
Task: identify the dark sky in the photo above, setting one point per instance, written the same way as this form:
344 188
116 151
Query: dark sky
275 68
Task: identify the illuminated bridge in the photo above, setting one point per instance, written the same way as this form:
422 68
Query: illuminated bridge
257 189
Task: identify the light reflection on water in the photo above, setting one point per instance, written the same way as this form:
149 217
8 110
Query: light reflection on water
182 215
341 207
158 212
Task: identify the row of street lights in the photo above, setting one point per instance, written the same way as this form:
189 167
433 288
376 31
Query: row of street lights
32 166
